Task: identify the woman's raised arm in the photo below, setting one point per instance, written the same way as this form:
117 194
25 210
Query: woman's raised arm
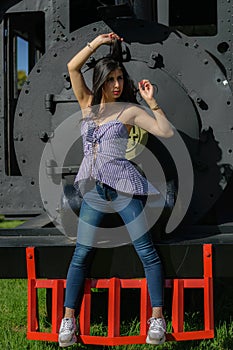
81 91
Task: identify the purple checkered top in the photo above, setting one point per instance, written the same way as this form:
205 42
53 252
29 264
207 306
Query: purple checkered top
104 159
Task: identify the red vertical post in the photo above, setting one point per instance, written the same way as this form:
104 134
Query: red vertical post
178 305
32 319
85 311
114 307
145 307
57 304
208 287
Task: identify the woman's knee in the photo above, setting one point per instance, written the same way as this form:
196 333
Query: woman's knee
149 257
81 255
146 251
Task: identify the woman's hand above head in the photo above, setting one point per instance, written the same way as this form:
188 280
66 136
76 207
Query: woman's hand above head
81 90
105 39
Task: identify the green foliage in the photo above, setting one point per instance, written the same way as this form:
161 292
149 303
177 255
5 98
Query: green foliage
9 224
22 77
13 320
13 324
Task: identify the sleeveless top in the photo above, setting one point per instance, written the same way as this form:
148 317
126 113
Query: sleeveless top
104 148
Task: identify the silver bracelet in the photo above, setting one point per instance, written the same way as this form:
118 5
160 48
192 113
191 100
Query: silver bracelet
90 47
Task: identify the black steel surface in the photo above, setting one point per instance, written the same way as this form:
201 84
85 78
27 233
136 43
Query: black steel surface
181 258
190 61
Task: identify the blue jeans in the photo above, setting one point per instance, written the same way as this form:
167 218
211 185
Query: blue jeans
96 203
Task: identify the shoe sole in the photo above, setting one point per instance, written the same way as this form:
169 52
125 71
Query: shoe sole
155 341
72 342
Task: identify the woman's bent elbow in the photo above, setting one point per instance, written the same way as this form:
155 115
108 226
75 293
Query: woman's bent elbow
169 133
71 67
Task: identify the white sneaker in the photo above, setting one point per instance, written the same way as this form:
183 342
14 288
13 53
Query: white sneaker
156 332
67 331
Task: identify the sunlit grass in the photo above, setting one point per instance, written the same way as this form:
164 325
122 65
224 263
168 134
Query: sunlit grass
13 320
9 223
13 325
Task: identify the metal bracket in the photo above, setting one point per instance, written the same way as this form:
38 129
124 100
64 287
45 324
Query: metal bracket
52 169
51 100
155 60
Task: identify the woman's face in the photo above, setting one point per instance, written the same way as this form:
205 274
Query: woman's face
113 86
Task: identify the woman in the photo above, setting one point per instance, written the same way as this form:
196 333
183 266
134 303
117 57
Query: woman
104 123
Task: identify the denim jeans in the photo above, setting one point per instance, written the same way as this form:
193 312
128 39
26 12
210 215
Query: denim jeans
96 203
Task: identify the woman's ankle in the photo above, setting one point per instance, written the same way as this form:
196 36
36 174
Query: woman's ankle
69 313
157 312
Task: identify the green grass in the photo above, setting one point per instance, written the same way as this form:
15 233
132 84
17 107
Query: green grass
13 323
9 223
13 320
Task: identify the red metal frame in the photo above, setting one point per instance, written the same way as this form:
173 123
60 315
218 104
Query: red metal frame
114 286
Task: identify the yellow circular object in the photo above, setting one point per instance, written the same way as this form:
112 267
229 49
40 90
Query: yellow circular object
137 139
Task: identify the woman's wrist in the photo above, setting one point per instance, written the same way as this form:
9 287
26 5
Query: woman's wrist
89 45
155 107
153 104
94 44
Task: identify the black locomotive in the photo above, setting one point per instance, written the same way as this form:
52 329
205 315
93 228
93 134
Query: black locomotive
185 49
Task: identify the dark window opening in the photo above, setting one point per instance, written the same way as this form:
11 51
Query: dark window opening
82 13
194 18
24 44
